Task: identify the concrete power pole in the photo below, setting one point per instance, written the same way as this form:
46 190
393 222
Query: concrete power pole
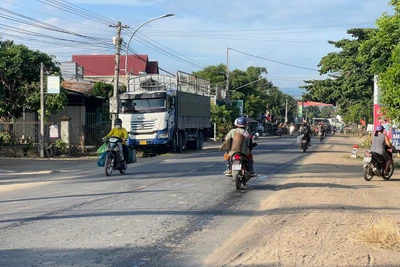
227 95
41 140
286 111
114 107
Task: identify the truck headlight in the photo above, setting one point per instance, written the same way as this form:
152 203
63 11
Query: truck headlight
163 135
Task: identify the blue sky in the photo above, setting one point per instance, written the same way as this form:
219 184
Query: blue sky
289 31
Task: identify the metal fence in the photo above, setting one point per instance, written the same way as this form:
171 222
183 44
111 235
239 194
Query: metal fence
29 130
23 131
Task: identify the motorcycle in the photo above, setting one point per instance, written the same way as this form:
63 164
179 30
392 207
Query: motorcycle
255 135
374 164
320 135
113 158
304 144
279 132
240 171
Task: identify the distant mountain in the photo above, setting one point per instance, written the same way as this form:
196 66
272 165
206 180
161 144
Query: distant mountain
296 92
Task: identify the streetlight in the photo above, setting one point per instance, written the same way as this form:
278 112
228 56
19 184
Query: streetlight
140 26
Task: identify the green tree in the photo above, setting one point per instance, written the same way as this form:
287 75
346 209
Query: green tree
103 90
383 50
327 112
20 81
248 85
224 117
312 112
216 74
351 82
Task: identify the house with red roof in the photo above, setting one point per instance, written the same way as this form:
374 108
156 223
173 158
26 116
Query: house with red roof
102 67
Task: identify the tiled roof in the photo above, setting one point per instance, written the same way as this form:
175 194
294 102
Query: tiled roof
104 65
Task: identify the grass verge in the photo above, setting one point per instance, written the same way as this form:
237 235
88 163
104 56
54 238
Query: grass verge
384 233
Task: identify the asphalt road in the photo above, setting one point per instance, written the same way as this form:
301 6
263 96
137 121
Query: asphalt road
170 210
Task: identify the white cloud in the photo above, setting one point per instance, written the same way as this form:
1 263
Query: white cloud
119 2
298 30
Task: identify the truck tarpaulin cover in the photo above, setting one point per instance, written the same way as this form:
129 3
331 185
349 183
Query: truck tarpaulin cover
197 110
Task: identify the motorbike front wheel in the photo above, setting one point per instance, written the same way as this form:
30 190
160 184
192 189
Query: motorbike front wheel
304 146
368 173
109 166
391 170
236 178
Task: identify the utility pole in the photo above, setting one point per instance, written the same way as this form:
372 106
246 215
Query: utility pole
227 96
286 111
41 137
114 107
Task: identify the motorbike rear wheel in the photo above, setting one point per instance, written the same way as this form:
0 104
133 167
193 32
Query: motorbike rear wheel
109 166
122 169
236 178
391 170
304 146
368 173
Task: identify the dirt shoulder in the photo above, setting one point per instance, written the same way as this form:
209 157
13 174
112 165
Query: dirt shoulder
315 217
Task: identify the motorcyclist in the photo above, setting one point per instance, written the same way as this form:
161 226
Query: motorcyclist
379 142
291 128
244 149
306 130
120 132
321 128
280 129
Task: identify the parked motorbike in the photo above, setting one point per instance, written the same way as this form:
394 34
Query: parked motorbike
374 164
113 158
240 170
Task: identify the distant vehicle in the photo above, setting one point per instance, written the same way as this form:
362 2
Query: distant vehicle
325 121
335 122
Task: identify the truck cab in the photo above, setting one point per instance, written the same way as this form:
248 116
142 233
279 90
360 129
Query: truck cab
148 116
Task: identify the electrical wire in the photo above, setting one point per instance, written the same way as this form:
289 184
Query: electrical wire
167 53
55 16
322 27
76 10
166 49
274 61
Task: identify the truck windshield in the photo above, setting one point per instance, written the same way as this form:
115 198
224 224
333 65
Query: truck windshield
135 106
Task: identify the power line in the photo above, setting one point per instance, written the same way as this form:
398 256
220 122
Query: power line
76 10
167 53
183 57
53 15
274 61
35 23
323 27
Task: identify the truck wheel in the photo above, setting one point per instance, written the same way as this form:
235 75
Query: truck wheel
201 140
179 144
197 142
174 144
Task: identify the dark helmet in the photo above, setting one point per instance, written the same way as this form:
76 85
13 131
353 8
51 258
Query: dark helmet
117 121
379 128
241 122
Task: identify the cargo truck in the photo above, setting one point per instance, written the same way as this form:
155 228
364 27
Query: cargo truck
164 113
